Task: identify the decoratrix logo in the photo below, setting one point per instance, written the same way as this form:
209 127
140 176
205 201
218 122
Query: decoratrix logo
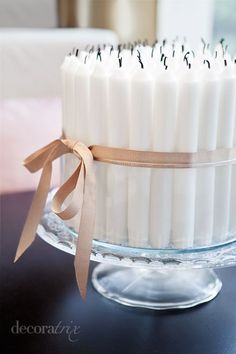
70 330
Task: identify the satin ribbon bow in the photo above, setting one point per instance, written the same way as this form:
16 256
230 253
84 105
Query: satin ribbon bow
81 183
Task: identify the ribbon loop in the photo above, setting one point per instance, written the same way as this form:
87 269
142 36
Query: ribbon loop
81 183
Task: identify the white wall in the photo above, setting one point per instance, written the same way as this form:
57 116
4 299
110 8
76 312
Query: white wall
28 13
186 18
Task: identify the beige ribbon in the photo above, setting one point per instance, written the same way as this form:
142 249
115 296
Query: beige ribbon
82 184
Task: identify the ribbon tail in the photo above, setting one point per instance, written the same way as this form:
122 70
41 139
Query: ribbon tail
86 230
29 231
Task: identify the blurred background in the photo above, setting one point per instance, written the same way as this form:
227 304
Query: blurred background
36 35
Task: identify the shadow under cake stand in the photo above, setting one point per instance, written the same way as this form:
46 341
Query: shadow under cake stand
144 277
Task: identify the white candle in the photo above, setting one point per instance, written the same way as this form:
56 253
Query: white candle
224 140
118 136
184 180
82 81
207 135
139 178
98 116
68 71
163 139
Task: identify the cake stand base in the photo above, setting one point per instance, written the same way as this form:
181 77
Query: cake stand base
156 289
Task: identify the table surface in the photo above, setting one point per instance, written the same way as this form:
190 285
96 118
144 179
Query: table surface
40 290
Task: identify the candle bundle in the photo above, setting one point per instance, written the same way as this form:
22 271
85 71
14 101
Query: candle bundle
166 98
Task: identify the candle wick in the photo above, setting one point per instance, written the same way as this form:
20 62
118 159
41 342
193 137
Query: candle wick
164 42
145 42
164 62
189 65
85 59
154 43
120 62
204 45
139 59
182 47
112 48
225 61
185 56
152 52
99 54
119 50
161 49
216 54
222 41
173 53
207 62
162 56
132 49
77 52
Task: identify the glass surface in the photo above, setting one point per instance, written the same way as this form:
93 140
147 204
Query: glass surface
146 277
156 289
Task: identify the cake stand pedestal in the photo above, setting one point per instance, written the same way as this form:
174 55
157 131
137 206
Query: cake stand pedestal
144 277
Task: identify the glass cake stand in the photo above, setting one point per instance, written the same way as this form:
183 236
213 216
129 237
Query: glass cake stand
144 277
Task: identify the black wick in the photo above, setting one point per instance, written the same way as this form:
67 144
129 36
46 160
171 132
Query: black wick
165 63
119 50
185 57
77 52
139 59
120 62
207 62
132 49
153 48
99 54
204 45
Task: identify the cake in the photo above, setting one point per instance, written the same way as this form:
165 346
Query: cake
166 98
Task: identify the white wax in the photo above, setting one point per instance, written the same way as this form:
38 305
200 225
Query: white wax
204 207
68 74
98 117
224 140
139 178
82 81
118 136
184 180
68 71
163 139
